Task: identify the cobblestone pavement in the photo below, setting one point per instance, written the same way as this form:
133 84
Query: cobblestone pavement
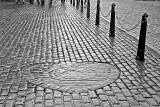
31 34
129 12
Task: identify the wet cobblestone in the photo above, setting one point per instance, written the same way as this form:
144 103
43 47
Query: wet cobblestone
32 35
128 14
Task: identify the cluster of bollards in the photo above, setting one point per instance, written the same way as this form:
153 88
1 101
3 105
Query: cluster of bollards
77 3
21 2
41 2
142 36
32 2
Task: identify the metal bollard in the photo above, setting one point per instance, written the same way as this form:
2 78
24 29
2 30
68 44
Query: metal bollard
88 9
112 22
31 1
98 12
38 2
50 3
142 38
42 2
77 4
70 1
73 2
82 6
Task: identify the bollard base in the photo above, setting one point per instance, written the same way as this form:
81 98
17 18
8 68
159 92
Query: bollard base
140 59
140 55
111 35
97 24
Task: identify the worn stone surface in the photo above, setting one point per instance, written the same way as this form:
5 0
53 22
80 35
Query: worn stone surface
34 35
129 14
71 77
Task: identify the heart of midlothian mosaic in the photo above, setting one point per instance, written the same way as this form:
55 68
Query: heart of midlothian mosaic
71 77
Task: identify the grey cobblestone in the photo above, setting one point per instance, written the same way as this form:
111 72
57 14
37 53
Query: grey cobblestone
86 99
33 34
39 99
38 105
49 103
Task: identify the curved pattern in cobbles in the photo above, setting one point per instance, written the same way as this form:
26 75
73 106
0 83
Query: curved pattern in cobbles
71 77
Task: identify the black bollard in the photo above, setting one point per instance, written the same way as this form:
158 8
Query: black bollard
30 1
42 2
142 38
22 2
62 1
77 4
50 3
82 6
112 22
38 2
88 9
73 2
70 1
98 12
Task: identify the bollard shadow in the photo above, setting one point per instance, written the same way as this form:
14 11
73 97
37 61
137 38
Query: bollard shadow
140 71
77 6
97 32
112 39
